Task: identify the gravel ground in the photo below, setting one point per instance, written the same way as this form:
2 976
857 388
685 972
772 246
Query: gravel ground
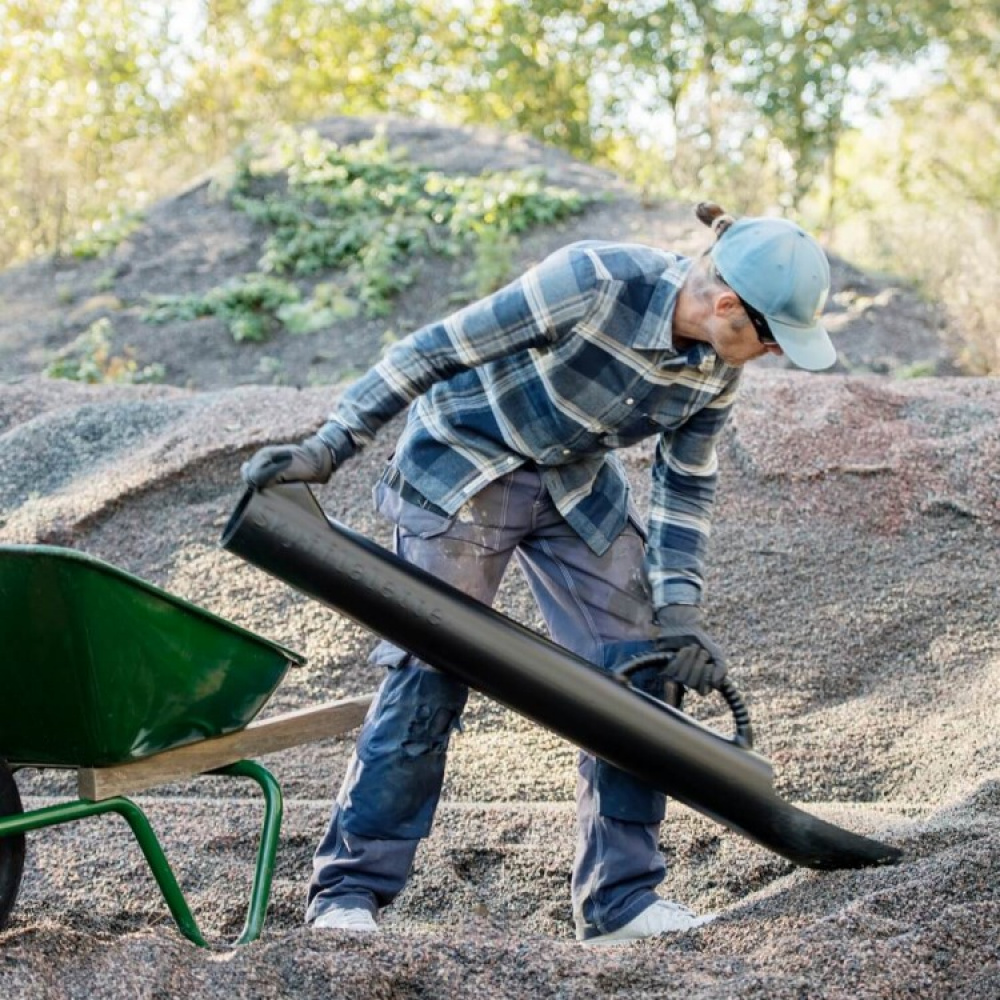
853 578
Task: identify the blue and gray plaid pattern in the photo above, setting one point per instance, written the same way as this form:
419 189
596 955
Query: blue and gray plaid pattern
562 367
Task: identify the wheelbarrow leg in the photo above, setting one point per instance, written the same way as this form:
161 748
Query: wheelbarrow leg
159 866
260 892
11 847
156 859
38 819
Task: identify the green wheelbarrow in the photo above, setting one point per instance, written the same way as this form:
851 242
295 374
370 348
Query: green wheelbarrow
133 687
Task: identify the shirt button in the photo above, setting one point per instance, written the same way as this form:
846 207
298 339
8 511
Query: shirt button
566 451
629 401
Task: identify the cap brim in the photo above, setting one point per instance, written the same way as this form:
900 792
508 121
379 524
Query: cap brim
808 347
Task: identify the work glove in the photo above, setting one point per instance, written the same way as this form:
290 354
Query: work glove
699 663
308 462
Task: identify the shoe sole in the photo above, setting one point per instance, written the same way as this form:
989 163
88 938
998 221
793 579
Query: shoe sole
352 928
608 941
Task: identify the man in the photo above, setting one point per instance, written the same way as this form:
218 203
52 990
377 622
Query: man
519 403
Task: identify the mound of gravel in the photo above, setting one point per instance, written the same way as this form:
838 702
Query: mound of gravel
853 579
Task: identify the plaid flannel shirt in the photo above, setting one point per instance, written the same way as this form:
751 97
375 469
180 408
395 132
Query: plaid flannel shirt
565 365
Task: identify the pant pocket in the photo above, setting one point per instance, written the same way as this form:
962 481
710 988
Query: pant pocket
401 755
423 522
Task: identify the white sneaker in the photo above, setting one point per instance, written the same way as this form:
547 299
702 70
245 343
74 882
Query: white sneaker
344 918
663 917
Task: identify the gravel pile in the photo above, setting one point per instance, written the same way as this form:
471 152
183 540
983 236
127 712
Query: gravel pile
853 579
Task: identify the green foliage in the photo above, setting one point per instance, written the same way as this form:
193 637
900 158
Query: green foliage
366 210
800 63
103 235
327 306
90 359
918 195
80 115
274 369
492 262
249 306
104 106
917 369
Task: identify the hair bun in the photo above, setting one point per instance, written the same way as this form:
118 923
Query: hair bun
713 216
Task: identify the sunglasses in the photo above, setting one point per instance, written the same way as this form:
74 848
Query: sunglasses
756 317
758 320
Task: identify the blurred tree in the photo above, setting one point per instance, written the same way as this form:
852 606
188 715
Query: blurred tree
965 108
347 56
799 64
919 190
101 106
80 112
224 83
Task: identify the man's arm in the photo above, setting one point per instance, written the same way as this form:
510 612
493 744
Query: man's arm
531 312
685 474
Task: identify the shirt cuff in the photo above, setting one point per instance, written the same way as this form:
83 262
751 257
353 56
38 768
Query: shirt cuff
677 592
338 440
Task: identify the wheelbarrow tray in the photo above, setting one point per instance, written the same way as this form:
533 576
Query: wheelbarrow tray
103 668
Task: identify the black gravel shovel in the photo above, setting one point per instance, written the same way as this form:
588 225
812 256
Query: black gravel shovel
284 531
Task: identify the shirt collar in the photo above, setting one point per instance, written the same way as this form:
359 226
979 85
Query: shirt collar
655 333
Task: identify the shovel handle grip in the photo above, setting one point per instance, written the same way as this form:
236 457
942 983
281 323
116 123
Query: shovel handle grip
727 688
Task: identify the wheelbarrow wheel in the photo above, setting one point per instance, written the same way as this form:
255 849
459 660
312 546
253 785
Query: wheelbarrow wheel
11 847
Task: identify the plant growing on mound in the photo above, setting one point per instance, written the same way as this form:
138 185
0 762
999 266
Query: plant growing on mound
102 236
255 305
249 306
89 359
367 210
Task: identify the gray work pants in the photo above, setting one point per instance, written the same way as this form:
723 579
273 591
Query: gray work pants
596 606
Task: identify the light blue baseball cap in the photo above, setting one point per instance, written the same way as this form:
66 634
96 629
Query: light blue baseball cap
782 272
